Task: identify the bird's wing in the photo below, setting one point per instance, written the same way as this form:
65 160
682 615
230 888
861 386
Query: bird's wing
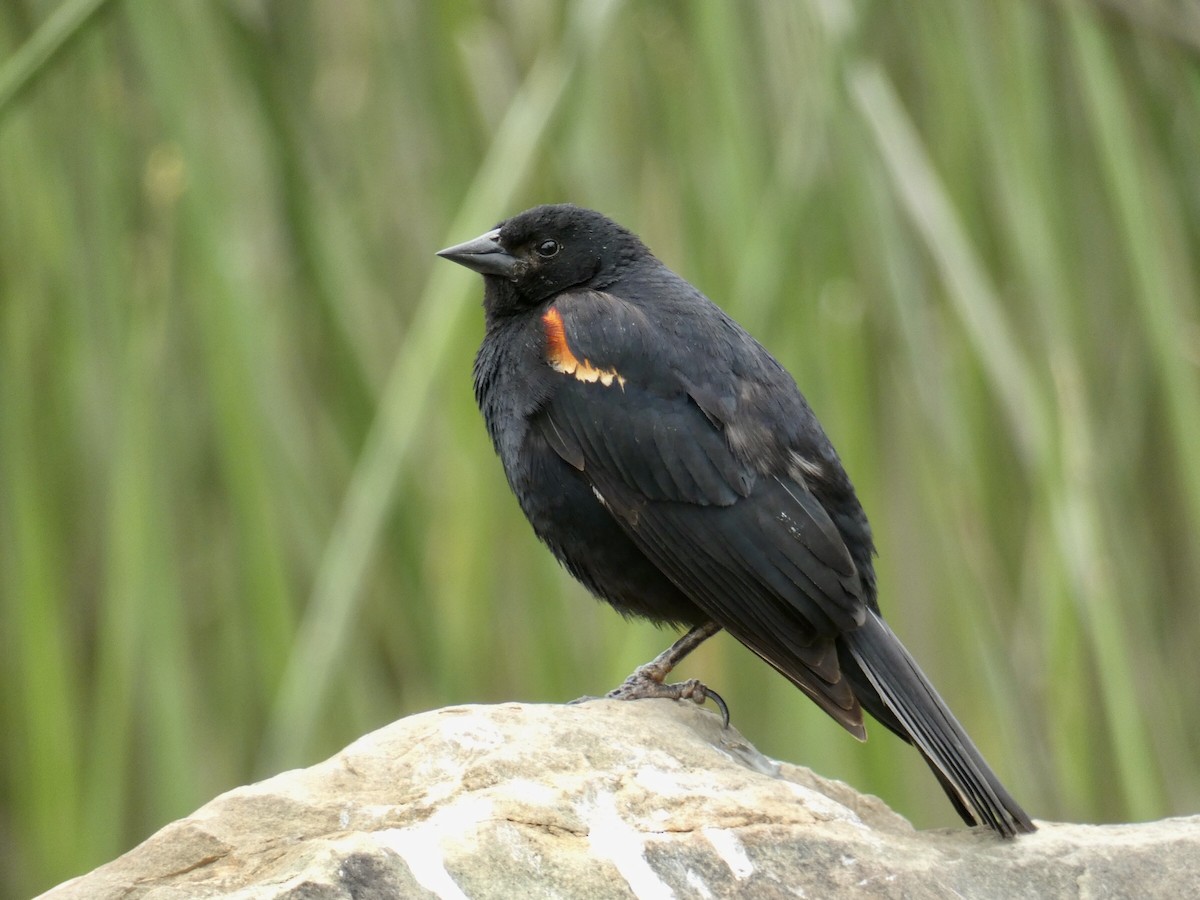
754 549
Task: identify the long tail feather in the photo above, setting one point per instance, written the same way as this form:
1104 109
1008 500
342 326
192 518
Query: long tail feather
910 702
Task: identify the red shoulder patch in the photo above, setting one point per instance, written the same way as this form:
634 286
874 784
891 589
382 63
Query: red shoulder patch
561 358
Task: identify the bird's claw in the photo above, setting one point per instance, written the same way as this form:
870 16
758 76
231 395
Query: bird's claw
643 686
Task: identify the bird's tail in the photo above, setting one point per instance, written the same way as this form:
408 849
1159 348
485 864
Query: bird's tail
897 693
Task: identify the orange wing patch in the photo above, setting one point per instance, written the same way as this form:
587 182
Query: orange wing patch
561 359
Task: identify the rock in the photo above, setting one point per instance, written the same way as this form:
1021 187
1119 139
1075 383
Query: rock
649 799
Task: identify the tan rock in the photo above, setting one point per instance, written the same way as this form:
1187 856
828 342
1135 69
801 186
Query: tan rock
648 799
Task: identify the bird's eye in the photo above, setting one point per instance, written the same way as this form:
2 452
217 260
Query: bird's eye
547 249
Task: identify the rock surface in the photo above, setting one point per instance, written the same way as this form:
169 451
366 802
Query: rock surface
607 799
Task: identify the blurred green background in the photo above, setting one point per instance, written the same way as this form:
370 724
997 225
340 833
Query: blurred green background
248 510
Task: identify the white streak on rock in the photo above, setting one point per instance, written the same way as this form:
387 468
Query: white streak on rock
612 838
696 883
731 851
422 847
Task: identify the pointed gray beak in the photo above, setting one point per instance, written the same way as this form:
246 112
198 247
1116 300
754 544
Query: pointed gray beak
483 255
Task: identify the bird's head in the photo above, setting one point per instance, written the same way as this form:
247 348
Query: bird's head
544 251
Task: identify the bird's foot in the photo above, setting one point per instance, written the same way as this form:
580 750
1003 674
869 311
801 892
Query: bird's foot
648 683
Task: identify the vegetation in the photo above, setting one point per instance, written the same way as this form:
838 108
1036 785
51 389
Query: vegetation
248 510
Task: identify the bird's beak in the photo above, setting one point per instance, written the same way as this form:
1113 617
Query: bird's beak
483 255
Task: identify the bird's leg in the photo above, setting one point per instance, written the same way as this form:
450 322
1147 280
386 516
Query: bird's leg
650 680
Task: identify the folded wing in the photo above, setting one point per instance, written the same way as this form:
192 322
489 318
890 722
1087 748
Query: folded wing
746 539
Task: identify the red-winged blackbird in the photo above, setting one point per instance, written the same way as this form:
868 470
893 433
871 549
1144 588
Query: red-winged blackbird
673 466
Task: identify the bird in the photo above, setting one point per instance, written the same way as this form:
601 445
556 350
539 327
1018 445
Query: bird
674 468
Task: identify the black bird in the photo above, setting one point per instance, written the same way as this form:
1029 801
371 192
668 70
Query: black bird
673 466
